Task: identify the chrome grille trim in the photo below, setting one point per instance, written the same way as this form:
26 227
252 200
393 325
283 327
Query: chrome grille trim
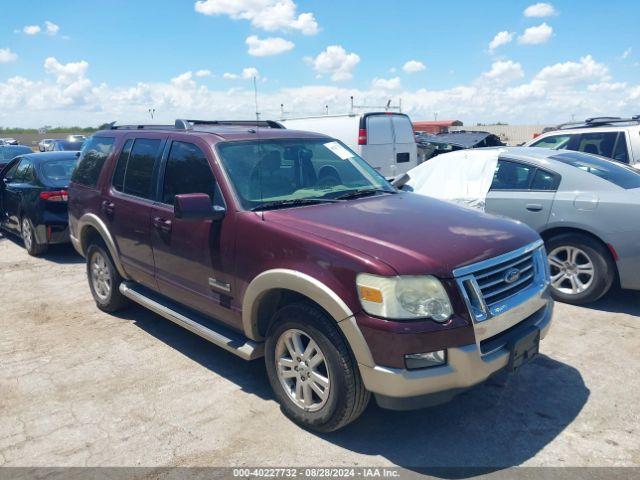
495 296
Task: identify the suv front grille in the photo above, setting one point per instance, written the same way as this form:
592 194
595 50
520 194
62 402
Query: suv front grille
488 286
493 280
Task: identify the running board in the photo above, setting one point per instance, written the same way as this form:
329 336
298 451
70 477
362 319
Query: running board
223 337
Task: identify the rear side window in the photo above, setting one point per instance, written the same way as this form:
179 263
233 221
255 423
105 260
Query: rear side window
547 181
121 166
555 142
512 176
379 130
616 173
187 171
92 157
139 170
402 129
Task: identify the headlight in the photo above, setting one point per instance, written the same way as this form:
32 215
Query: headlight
405 297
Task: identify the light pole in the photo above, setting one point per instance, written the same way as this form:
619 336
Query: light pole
152 111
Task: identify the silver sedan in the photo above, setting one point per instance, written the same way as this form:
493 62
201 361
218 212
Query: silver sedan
585 207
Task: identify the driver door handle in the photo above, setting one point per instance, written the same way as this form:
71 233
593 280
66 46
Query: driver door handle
162 224
534 207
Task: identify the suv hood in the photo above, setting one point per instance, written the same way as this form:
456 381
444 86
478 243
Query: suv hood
411 233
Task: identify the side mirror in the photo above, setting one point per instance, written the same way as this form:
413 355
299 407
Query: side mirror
196 206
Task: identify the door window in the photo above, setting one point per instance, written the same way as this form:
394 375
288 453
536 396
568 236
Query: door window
596 143
11 173
188 171
138 173
512 176
554 142
379 130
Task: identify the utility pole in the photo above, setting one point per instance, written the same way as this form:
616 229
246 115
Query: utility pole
435 116
152 112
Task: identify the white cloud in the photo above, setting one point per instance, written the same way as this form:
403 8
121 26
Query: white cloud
31 29
536 35
501 38
229 76
267 46
250 72
203 73
540 10
626 53
336 62
607 87
386 83
51 28
184 81
504 71
586 70
269 15
6 55
65 73
414 66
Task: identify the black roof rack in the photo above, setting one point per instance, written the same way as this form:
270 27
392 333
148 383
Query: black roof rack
599 121
113 126
182 124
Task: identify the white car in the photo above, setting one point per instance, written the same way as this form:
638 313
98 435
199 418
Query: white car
384 139
76 138
611 137
43 145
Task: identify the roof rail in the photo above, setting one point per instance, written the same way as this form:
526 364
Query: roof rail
598 121
113 126
184 124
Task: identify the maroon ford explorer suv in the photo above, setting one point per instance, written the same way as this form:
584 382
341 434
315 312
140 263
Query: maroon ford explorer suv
285 244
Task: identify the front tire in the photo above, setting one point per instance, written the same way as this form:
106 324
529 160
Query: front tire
30 240
104 279
582 270
312 370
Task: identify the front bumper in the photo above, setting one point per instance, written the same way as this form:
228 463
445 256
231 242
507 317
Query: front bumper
402 389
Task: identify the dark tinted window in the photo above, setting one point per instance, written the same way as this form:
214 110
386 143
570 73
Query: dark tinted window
57 172
24 173
139 172
544 180
94 152
616 173
11 173
187 171
121 166
597 143
512 176
620 150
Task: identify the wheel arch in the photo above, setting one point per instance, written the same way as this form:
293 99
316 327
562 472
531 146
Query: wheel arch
275 288
92 227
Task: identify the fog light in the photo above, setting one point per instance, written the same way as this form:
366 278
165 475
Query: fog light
414 361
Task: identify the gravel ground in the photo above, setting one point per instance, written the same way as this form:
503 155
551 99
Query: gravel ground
79 387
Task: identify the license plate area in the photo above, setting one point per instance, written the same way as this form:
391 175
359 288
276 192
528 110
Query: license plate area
524 348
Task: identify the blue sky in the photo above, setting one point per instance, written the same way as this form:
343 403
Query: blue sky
119 57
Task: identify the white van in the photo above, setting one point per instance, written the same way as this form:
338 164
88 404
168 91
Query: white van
384 139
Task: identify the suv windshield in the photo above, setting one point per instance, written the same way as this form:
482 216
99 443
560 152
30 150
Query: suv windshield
275 173
616 173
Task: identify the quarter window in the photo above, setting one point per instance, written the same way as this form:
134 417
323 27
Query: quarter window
512 176
543 180
121 166
92 157
138 173
620 152
188 171
24 173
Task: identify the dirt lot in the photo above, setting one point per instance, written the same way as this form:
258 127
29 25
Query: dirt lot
79 387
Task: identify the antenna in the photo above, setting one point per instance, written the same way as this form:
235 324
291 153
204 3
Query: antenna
255 92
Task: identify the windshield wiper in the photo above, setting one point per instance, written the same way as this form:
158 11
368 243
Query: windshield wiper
363 193
292 203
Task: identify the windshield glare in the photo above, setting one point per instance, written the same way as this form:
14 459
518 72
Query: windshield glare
286 170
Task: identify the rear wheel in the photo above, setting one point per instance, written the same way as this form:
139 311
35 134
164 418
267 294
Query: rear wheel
312 371
582 270
104 279
29 238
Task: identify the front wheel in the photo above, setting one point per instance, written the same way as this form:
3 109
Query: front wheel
582 270
312 371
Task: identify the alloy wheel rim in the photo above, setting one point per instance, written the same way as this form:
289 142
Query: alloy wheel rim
572 271
26 234
302 370
100 277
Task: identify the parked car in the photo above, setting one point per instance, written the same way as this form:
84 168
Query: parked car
10 141
612 137
43 145
585 207
231 232
58 145
9 152
384 139
431 145
33 198
76 138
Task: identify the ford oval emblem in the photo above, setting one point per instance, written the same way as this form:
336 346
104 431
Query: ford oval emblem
512 275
